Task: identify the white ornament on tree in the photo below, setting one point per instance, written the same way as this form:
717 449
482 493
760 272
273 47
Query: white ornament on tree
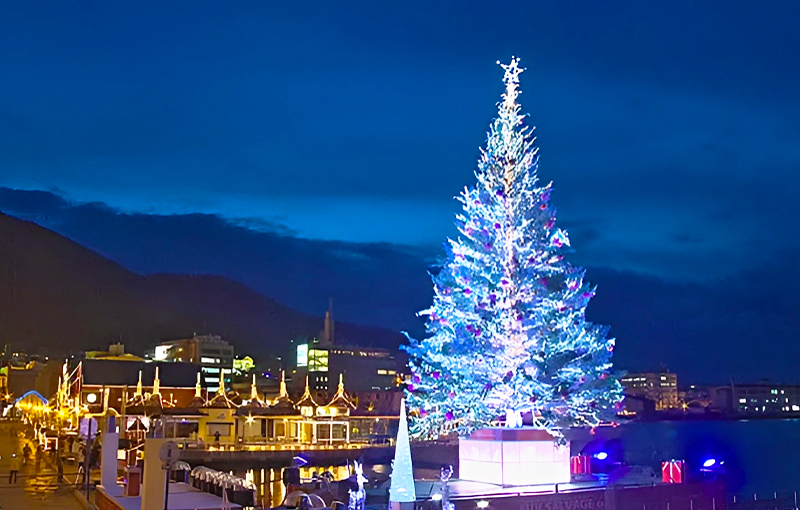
513 419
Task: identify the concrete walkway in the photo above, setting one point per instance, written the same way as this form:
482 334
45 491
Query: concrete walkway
36 489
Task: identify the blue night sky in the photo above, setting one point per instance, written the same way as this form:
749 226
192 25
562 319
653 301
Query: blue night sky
311 149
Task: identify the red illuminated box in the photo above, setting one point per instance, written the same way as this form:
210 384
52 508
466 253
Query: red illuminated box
580 465
673 471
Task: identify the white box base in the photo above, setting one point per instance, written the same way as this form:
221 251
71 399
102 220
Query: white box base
524 456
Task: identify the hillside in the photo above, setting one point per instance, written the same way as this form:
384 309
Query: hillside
60 297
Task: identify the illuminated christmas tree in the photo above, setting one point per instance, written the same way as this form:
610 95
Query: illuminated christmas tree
507 331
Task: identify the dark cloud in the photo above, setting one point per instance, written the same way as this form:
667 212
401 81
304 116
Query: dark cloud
743 325
655 121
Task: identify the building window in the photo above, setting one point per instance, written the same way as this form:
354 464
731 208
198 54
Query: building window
302 355
224 429
339 431
318 360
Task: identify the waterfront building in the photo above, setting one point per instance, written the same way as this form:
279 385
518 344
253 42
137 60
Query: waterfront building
660 387
115 352
33 376
760 398
367 369
323 361
101 384
214 355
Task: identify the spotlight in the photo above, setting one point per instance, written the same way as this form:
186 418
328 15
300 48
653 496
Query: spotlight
436 497
482 503
709 463
601 456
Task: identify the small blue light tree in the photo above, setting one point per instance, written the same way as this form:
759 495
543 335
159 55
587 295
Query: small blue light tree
402 488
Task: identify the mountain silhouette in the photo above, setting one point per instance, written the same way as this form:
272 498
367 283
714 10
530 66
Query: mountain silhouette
58 297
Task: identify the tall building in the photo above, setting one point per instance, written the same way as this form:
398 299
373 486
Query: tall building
364 368
214 355
322 361
660 387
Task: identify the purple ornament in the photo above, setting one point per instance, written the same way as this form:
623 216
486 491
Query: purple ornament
436 375
503 282
449 416
410 387
416 379
487 386
499 193
497 225
588 295
488 246
467 291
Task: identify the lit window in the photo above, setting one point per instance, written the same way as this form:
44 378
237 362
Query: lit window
302 355
318 360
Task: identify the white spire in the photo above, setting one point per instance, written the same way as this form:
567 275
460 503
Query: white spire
402 487
156 384
283 392
139 385
221 389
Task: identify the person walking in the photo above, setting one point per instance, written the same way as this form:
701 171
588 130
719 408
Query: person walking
12 474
